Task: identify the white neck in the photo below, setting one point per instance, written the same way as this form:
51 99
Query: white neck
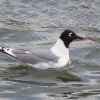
60 50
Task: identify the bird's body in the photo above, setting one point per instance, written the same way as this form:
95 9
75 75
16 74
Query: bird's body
55 57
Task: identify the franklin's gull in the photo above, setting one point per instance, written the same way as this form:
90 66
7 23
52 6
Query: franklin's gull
55 57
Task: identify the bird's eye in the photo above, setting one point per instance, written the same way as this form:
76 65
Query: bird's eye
70 34
7 49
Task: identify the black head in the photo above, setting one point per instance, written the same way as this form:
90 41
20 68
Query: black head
68 36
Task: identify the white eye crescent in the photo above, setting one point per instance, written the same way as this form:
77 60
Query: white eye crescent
70 34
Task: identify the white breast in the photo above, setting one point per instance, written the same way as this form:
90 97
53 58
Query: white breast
62 52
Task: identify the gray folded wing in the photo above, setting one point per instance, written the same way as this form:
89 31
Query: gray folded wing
35 56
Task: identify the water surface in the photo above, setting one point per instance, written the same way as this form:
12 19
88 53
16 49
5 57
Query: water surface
29 24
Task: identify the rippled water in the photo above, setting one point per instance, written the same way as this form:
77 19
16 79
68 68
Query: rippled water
29 24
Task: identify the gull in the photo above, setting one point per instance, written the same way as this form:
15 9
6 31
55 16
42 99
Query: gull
55 57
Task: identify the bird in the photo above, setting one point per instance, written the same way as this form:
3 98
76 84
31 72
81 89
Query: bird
55 57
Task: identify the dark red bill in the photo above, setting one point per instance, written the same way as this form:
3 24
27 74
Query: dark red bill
78 38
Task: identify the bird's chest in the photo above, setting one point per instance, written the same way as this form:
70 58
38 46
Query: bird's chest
63 61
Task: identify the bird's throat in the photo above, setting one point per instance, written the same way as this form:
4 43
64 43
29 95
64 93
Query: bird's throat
60 50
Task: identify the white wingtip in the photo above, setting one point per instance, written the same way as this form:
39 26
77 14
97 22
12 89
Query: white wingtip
0 48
